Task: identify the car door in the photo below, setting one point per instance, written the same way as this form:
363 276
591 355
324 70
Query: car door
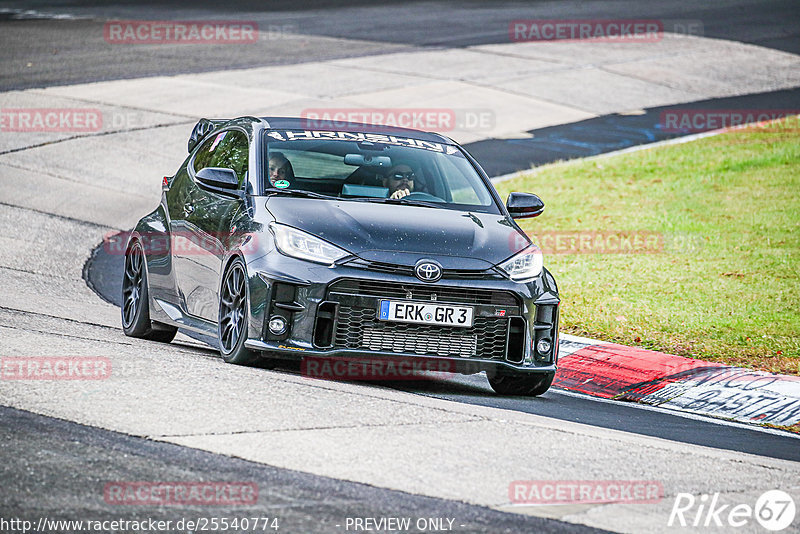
208 217
180 201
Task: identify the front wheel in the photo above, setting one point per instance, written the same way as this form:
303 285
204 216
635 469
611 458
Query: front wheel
527 385
233 306
135 303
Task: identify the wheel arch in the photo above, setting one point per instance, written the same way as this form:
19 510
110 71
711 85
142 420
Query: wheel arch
135 237
258 290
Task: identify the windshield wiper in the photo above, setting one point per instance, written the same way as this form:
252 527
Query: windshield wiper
406 201
310 194
414 202
298 193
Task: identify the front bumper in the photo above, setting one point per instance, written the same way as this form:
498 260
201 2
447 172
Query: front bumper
331 313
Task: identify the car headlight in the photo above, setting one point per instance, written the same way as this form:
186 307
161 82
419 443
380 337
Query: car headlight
524 266
298 244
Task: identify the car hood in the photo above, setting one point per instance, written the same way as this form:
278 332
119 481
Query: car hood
404 234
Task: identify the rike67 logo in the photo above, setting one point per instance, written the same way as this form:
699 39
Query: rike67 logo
774 510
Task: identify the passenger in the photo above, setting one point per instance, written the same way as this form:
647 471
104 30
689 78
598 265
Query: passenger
280 170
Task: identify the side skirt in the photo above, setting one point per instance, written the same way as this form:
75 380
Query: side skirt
185 321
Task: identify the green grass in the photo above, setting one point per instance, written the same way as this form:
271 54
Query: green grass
725 287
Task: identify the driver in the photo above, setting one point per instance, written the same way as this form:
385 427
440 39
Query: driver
280 170
400 180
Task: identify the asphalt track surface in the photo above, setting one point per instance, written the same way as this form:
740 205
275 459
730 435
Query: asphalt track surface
71 464
39 52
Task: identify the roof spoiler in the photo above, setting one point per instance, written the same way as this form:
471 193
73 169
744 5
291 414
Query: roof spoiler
202 129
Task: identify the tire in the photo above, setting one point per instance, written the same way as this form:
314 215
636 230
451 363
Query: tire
232 325
526 385
135 309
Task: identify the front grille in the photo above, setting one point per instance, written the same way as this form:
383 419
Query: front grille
419 343
404 270
359 329
461 295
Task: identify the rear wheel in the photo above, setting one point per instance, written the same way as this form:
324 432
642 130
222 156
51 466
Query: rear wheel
528 385
135 304
233 305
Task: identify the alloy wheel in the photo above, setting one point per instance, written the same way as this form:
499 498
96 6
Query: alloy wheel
132 284
232 308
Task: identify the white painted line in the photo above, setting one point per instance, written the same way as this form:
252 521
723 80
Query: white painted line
578 339
31 14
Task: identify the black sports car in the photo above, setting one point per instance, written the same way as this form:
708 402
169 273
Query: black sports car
348 241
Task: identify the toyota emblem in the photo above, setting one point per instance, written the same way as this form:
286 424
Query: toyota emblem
427 271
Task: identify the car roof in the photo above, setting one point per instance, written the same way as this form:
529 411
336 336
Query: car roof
297 123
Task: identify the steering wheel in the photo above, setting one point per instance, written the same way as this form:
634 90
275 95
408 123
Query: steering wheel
421 195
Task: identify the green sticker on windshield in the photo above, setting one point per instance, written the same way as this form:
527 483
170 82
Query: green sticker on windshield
282 184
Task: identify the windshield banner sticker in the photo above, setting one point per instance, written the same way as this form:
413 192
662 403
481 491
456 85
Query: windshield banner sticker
372 138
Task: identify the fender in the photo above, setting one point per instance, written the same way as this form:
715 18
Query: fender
153 232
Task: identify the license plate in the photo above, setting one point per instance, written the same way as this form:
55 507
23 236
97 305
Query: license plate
403 311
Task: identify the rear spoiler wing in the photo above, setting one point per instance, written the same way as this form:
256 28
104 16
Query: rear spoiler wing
202 129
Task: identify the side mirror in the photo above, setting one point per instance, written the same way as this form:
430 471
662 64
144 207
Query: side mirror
218 177
522 205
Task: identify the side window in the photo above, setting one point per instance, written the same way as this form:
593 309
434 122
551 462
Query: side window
228 150
463 190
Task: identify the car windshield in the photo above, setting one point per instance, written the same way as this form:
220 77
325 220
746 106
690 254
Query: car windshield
375 168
